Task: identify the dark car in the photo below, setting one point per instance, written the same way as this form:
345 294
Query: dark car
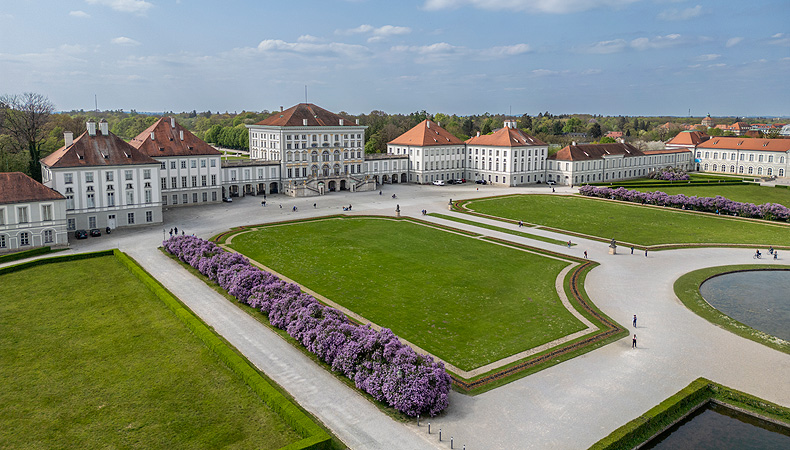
459 181
81 234
481 182
95 232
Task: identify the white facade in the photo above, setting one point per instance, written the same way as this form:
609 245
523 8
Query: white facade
32 224
187 180
743 161
250 177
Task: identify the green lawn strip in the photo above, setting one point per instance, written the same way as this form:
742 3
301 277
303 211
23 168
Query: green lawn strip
688 399
8 257
500 229
747 193
263 319
630 223
609 331
687 290
430 287
105 364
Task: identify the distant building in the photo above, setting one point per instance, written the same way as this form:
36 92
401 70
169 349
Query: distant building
433 153
189 171
688 140
708 122
31 214
615 134
744 156
507 156
106 182
596 163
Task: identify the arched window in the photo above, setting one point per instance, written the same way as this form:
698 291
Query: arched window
732 169
325 170
705 167
24 238
740 169
759 171
289 156
336 169
49 236
751 170
314 170
770 171
325 156
314 156
336 155
714 167
781 172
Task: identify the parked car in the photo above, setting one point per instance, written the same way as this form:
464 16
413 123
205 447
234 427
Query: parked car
95 232
438 183
81 234
481 181
459 181
227 200
450 181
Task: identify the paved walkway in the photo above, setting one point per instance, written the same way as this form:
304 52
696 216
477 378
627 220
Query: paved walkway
568 406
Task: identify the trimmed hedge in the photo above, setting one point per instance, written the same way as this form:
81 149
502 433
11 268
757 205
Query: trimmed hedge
315 436
25 254
64 258
668 412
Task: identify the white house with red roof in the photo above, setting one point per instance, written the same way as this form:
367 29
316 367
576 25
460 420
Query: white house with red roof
433 153
190 169
744 156
508 156
31 214
107 182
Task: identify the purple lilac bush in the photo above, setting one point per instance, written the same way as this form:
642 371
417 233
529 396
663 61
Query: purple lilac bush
718 204
669 174
376 361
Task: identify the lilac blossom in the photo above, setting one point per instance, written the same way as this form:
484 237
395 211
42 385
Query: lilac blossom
376 360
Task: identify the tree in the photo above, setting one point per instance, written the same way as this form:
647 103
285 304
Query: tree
607 140
486 127
595 130
526 122
24 117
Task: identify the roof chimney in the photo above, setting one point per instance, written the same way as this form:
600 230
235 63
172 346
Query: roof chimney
181 133
573 143
281 108
428 123
68 136
357 121
152 135
172 122
341 122
91 125
304 122
104 127
622 140
438 124
478 134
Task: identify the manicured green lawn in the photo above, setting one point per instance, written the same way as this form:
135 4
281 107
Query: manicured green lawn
467 301
750 193
631 223
92 359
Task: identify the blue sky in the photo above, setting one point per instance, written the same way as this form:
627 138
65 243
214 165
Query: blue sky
630 57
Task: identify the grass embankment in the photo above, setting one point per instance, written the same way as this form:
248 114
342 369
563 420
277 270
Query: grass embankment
105 364
464 300
501 230
631 223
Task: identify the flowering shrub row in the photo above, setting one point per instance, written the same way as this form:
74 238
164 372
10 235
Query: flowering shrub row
718 204
669 174
376 361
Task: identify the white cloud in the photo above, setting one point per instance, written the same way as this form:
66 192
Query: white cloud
307 38
541 6
79 14
732 42
123 40
544 72
377 34
606 47
72 48
644 43
591 72
358 30
509 50
329 49
780 39
684 14
439 48
708 57
127 6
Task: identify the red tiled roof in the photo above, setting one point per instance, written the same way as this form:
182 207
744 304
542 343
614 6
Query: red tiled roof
615 134
666 151
167 141
505 137
585 152
740 143
99 150
426 133
688 138
315 115
16 187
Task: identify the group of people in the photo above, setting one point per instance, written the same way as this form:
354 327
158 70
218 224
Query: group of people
771 251
347 208
424 212
174 232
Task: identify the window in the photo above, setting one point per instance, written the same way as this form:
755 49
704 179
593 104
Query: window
111 199
92 222
184 164
127 174
194 197
162 165
146 174
129 197
205 196
202 163
213 163
194 180
164 183
203 180
21 214
24 238
149 216
72 224
46 212
3 243
183 182
172 164
193 163
2 216
175 199
68 178
213 180
108 176
185 199
130 218
148 196
214 196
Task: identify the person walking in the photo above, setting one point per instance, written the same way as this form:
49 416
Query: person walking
634 320
313 205
569 243
632 249
585 254
645 252
633 342
176 230
520 224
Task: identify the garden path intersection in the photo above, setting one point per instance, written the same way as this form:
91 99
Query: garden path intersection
567 406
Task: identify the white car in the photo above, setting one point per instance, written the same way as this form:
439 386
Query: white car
438 183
